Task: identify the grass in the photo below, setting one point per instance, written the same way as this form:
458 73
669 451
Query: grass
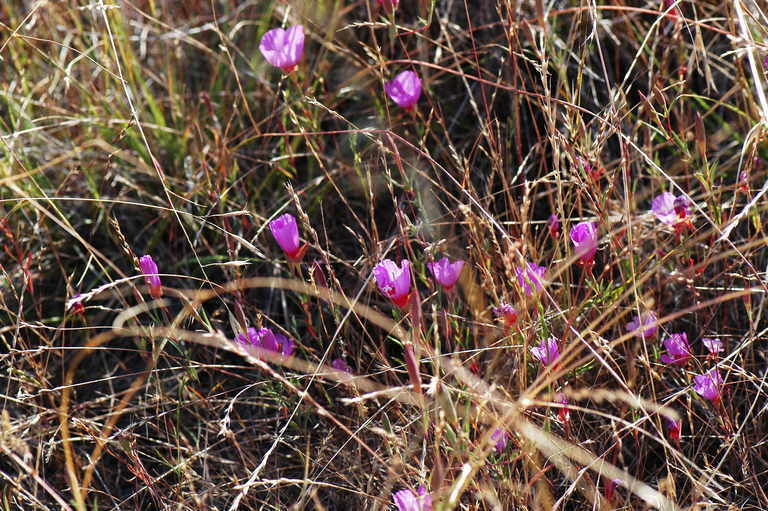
158 128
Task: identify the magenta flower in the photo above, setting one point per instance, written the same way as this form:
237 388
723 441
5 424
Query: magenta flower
547 352
713 345
678 349
267 340
584 238
709 385
405 89
340 365
506 313
554 225
500 439
644 319
669 209
446 272
283 48
286 234
406 500
149 269
532 275
673 430
394 281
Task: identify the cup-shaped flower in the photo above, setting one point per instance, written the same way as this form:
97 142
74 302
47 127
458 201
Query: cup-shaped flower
669 209
404 89
149 269
643 325
713 345
547 351
678 349
283 48
340 365
446 272
286 234
394 281
406 500
554 225
267 340
532 275
584 238
709 385
506 313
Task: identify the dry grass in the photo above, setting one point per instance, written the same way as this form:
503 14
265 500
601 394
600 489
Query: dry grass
156 127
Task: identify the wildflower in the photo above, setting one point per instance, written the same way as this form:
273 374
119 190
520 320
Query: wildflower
673 430
644 319
283 48
708 385
713 345
593 172
564 414
340 365
394 281
446 272
610 488
390 5
678 348
406 500
405 89
265 339
554 225
671 210
500 439
76 305
506 313
149 269
547 352
584 238
286 234
532 275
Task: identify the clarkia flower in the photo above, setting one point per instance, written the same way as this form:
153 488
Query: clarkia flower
406 500
286 234
149 269
267 340
394 281
547 351
446 272
678 349
554 225
564 413
283 48
673 430
532 275
500 439
669 209
709 385
644 319
404 89
584 238
713 345
506 313
340 365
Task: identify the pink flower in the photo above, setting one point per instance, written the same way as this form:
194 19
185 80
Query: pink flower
283 48
340 365
564 413
267 340
678 348
673 430
547 352
446 272
584 238
506 313
286 234
554 225
406 500
532 275
669 209
500 438
708 385
713 345
149 269
405 89
646 318
393 281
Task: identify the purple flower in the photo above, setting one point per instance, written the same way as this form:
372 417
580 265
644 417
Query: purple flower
446 272
393 281
267 340
708 385
500 438
669 209
340 365
713 345
678 349
554 225
584 238
547 352
406 500
506 313
405 89
149 269
283 48
532 275
644 319
286 234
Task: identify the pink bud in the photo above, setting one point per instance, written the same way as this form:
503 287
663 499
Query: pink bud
149 269
554 225
584 238
500 439
446 272
283 48
405 89
394 281
286 234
